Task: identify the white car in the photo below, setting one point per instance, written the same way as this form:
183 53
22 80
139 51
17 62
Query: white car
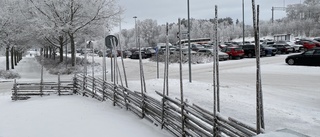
209 52
296 47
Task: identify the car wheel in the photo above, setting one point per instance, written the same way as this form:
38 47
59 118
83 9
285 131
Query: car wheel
291 61
250 55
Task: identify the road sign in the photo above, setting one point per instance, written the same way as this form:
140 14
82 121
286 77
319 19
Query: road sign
108 40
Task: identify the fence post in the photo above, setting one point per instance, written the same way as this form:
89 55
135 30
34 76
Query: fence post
84 82
103 90
114 94
75 83
162 113
15 92
59 90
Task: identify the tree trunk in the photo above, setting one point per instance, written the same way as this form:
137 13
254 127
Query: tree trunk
7 58
73 58
12 58
61 48
50 52
54 53
15 57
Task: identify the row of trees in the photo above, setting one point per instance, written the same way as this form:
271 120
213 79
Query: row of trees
302 21
51 24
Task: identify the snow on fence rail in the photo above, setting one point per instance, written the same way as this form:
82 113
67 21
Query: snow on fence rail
194 121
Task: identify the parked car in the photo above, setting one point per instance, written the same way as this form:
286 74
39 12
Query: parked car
185 51
269 51
317 43
110 53
283 48
249 50
149 51
209 52
296 47
135 55
309 57
196 47
306 44
234 52
126 53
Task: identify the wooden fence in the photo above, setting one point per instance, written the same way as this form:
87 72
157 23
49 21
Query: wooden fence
179 119
22 91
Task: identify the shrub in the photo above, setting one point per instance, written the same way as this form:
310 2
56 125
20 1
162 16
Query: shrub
7 74
55 66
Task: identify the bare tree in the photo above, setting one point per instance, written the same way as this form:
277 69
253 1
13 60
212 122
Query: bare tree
74 17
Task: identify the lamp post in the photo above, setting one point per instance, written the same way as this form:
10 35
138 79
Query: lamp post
189 46
135 29
243 22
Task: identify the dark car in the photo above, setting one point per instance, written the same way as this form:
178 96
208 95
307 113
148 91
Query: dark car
310 57
135 55
269 51
233 52
283 48
249 50
196 47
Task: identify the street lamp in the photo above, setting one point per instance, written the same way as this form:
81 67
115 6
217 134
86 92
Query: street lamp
243 22
189 45
135 29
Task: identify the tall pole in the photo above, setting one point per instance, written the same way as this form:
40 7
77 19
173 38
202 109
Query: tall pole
217 59
123 67
135 29
181 83
189 45
243 22
272 18
258 82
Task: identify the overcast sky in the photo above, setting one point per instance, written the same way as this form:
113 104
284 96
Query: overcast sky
170 10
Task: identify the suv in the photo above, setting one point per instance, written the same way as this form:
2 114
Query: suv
249 50
233 52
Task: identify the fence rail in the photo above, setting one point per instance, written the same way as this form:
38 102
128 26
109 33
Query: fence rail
166 113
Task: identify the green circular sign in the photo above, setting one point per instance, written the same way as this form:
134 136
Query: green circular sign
111 39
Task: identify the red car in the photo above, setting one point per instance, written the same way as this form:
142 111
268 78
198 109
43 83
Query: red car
234 52
306 44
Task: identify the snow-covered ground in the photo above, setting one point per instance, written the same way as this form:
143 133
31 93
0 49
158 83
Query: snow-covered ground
291 99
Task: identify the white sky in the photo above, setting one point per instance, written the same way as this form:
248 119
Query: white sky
170 10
